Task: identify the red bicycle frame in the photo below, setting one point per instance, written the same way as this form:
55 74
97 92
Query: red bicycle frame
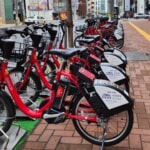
5 76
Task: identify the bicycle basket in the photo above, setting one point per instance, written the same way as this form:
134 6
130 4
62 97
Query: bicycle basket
19 51
44 44
37 41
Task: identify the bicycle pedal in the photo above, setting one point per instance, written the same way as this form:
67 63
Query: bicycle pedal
54 116
60 119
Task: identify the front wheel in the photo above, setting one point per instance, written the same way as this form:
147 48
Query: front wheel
116 43
49 71
118 126
78 44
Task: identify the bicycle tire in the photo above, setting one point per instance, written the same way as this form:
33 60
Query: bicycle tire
117 43
49 71
30 92
125 86
88 130
76 43
7 112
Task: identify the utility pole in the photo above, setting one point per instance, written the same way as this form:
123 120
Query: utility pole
69 23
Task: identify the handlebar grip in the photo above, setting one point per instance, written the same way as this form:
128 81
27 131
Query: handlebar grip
51 25
12 31
36 27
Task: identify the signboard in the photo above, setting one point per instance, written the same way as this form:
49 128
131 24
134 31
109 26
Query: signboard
8 9
39 5
127 5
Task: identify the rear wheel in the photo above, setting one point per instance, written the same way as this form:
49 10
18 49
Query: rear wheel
32 88
118 126
49 71
6 114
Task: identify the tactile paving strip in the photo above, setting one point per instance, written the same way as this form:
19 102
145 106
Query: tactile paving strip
135 55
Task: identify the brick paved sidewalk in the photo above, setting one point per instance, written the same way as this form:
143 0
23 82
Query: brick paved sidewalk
64 137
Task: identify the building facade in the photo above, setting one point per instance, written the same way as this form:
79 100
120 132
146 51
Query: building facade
6 11
50 9
141 6
100 7
39 7
2 11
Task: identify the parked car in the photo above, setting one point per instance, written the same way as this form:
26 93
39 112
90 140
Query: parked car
147 16
140 15
35 19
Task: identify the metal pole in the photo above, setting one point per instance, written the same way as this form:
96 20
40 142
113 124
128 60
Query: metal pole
16 12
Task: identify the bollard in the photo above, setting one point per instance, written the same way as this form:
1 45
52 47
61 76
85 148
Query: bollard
1 21
148 18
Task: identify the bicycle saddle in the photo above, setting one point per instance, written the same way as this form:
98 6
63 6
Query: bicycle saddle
66 54
103 19
106 26
112 21
95 37
81 49
86 41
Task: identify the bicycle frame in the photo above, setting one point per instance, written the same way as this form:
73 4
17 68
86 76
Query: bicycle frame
54 58
5 76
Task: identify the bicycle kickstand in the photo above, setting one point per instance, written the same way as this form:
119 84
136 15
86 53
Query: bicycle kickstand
102 138
7 137
102 146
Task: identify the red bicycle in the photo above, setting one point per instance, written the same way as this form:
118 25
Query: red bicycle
90 62
110 36
96 105
102 71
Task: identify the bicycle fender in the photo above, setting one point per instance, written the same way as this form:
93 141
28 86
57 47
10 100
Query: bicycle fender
118 34
113 73
113 99
113 59
118 52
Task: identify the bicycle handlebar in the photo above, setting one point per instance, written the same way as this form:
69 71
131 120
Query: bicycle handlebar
12 31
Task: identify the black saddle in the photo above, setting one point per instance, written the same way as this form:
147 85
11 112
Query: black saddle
66 54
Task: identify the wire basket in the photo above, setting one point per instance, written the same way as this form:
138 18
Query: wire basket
39 44
19 52
44 44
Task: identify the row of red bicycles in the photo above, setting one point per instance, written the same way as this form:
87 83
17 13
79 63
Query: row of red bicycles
87 84
111 32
